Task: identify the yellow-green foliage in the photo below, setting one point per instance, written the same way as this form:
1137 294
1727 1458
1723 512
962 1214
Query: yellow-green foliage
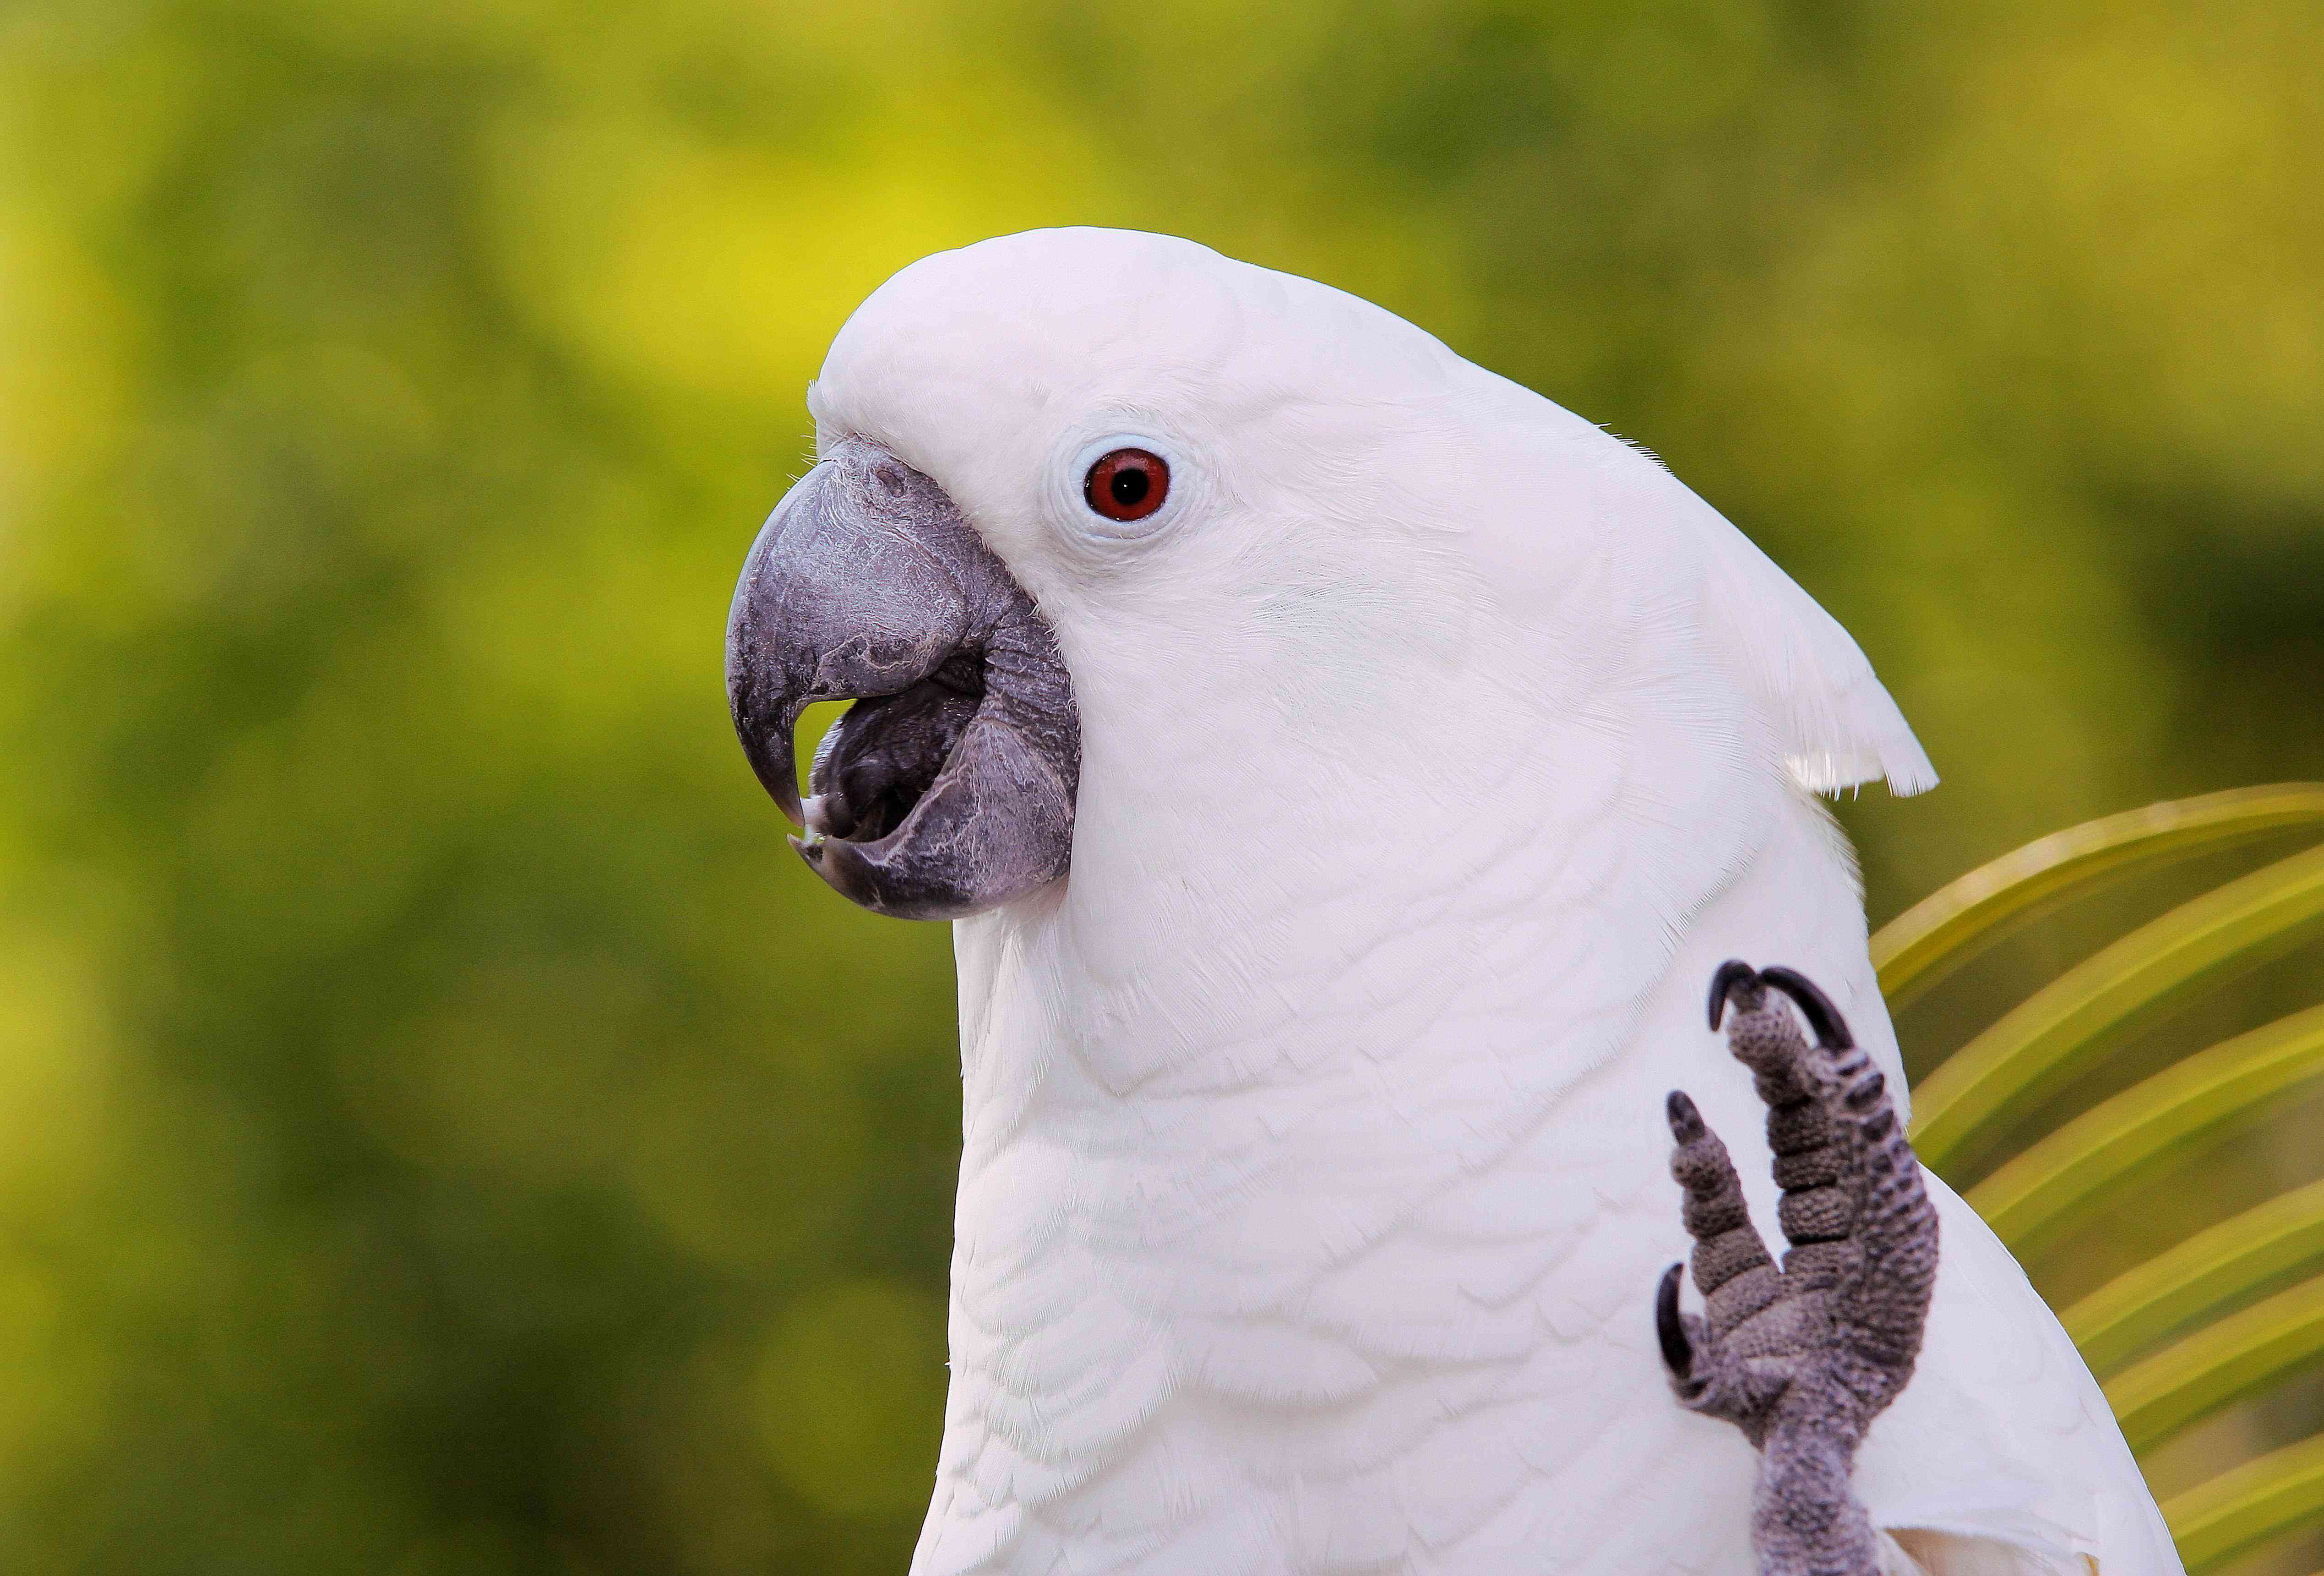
441 1130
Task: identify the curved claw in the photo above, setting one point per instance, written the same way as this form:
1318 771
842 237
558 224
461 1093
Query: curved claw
1685 1121
1734 971
1670 1330
1830 1028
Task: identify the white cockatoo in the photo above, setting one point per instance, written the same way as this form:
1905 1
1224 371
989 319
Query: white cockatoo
1344 769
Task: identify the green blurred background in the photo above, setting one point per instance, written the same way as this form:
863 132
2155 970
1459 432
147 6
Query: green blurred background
442 1129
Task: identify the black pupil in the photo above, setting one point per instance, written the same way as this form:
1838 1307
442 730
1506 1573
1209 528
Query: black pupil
1129 485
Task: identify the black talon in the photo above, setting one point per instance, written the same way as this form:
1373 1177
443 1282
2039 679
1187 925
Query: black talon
1678 1351
1685 1121
1830 1028
1734 971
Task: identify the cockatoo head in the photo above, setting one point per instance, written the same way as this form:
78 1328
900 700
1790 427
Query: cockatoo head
1104 521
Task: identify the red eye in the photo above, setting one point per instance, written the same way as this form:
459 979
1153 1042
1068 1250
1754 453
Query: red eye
1130 483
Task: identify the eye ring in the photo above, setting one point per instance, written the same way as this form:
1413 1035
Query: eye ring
1127 484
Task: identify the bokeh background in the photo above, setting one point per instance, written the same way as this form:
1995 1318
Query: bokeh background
442 1130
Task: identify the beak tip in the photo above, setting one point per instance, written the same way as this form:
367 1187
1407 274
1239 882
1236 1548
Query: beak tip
767 744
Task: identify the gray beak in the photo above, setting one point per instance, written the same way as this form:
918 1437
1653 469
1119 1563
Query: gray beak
949 787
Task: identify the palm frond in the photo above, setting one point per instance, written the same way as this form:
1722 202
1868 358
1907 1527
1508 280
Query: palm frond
2223 1363
2176 1339
2056 1034
2208 1272
2277 1493
1918 948
2068 1174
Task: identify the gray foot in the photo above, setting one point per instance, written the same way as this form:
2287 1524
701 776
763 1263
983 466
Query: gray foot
1801 1359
